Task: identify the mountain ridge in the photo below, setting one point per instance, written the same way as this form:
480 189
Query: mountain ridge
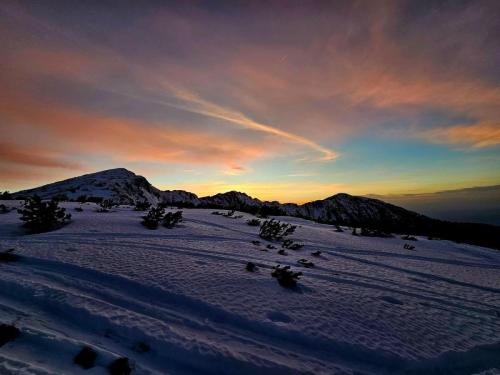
125 187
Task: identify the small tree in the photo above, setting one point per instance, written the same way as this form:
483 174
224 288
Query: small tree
275 230
153 217
40 216
171 219
105 205
286 277
253 222
142 206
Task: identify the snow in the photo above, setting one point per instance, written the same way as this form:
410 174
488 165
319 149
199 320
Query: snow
367 307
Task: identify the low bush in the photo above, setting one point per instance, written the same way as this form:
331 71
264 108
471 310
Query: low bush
85 358
171 219
291 244
5 196
338 229
407 246
40 216
256 243
285 276
275 230
253 222
153 217
271 247
8 333
8 256
282 252
142 206
120 366
105 205
316 253
4 209
251 267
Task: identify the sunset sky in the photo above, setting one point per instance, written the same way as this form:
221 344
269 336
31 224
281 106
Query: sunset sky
286 100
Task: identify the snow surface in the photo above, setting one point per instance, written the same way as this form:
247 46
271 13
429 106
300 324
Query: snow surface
367 307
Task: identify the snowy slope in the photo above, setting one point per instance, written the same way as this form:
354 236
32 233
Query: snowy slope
368 306
119 185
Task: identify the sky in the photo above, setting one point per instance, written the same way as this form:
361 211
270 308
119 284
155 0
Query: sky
286 100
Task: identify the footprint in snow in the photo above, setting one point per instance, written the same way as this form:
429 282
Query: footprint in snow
392 300
277 316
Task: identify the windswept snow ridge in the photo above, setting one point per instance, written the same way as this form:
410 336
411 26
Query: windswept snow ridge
368 306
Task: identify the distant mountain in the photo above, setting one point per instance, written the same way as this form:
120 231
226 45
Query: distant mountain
120 185
125 187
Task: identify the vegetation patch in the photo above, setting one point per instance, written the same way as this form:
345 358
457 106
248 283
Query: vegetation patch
153 217
120 366
274 230
253 222
171 219
85 358
8 333
285 276
43 216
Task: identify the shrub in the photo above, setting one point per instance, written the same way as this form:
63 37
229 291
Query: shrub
120 366
8 256
275 230
254 222
8 333
291 244
4 209
82 199
42 216
306 263
271 247
153 217
105 205
229 213
85 358
5 196
142 206
338 229
316 253
256 243
171 219
407 246
251 267
286 277
282 252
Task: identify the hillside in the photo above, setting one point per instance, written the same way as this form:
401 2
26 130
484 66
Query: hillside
179 301
125 187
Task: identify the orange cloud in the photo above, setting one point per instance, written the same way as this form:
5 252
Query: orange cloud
477 135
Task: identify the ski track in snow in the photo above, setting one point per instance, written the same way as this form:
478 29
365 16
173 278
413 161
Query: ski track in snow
367 307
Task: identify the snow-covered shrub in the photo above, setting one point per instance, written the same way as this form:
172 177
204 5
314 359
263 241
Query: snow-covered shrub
8 333
253 222
291 244
229 213
282 252
142 206
105 205
275 230
120 366
8 256
153 217
285 276
40 216
85 358
171 219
